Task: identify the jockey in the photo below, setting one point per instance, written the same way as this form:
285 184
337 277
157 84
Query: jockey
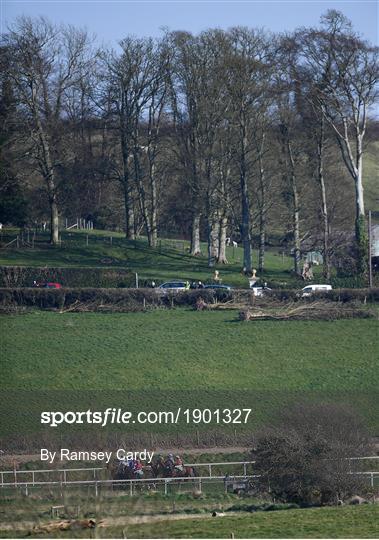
179 464
169 463
138 469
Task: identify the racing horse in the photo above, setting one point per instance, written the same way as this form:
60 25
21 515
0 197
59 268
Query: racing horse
119 470
161 469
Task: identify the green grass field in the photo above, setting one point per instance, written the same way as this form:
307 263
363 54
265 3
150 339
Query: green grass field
166 358
170 260
308 523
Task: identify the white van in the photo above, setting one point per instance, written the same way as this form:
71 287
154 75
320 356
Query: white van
311 289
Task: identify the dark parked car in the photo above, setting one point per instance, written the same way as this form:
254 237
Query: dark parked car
218 286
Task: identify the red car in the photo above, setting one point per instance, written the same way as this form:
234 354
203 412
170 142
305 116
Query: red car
48 285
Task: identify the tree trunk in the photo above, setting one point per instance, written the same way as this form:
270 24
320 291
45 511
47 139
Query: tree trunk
47 169
210 240
129 212
245 226
355 168
54 230
360 204
360 221
296 214
325 219
195 234
324 208
296 226
153 217
245 207
221 256
213 239
262 218
142 196
262 242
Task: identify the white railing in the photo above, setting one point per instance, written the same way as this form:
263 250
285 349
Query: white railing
16 472
94 470
371 474
223 463
133 483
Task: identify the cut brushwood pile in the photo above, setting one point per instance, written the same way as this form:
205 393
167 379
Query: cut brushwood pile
64 525
318 310
307 312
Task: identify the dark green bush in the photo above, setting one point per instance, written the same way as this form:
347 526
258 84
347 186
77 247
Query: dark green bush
360 295
349 282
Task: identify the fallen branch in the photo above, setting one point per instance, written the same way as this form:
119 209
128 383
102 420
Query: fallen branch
64 525
308 312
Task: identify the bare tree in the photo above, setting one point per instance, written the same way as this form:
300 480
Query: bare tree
318 134
45 62
265 169
248 71
345 72
155 113
213 132
289 132
131 76
187 64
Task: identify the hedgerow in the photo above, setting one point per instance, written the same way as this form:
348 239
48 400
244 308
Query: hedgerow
118 299
24 276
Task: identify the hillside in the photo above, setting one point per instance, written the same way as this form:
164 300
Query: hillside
170 260
371 176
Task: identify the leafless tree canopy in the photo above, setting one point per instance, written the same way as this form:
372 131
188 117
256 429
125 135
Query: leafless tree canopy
228 134
304 457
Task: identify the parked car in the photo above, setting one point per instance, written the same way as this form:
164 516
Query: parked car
218 286
311 289
173 286
48 285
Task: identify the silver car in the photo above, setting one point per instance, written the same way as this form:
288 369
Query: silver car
173 287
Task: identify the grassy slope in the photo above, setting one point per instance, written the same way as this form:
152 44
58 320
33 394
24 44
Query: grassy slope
180 357
371 176
336 522
169 261
310 523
